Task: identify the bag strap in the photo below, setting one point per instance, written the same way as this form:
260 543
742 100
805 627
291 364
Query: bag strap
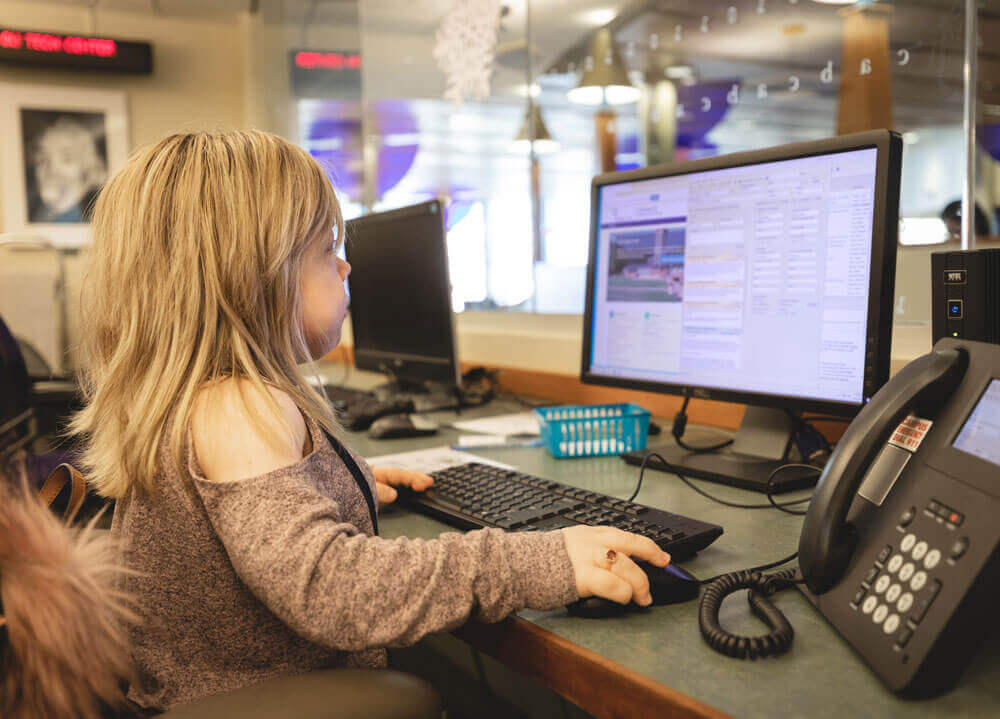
55 483
359 477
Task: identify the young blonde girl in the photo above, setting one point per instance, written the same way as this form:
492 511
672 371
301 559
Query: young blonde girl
214 275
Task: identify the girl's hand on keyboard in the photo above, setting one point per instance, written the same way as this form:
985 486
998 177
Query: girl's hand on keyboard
602 567
388 477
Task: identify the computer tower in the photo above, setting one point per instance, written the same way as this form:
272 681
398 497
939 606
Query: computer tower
965 295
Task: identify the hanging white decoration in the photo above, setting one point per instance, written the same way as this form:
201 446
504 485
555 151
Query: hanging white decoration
465 46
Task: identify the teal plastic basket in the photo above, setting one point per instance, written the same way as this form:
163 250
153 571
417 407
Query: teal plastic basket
593 430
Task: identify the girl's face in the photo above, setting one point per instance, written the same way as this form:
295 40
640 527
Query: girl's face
324 298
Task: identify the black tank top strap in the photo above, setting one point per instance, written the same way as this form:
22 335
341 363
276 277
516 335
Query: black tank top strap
359 477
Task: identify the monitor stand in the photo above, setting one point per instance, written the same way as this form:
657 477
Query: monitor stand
759 447
426 395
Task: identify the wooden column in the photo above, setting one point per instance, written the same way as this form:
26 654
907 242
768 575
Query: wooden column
607 141
865 98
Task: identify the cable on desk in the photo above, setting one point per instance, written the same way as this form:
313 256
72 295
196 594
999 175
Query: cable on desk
761 587
680 424
782 506
761 568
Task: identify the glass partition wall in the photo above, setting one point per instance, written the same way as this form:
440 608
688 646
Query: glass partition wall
508 109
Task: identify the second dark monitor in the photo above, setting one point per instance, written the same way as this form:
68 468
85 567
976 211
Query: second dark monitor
401 296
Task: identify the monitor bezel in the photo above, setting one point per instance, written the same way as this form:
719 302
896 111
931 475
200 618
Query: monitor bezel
410 366
888 147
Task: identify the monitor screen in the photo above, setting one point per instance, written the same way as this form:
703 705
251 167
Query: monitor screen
400 294
980 435
749 279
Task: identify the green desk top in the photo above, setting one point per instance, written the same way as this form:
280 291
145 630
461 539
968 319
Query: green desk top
820 676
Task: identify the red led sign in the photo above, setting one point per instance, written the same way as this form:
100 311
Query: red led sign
76 52
311 60
325 73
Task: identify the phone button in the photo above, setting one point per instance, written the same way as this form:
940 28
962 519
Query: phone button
883 583
918 582
895 563
891 624
907 517
869 606
920 610
880 614
920 550
892 593
958 547
905 602
932 559
906 572
870 577
884 554
908 541
858 596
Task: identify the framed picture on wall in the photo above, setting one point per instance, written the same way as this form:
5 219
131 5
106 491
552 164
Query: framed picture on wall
58 146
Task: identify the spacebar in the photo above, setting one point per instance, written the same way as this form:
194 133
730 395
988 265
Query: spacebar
526 516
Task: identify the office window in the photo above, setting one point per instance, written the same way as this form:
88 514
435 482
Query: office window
676 80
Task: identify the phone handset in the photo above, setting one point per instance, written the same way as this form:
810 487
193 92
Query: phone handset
827 540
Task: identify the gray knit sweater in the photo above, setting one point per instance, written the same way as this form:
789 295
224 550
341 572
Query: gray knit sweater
279 574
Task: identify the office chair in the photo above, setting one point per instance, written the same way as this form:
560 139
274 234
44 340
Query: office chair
18 418
324 694
16 414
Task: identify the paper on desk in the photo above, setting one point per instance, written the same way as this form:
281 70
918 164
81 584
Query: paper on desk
523 424
431 460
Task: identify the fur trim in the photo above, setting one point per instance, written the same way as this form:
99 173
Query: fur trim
64 653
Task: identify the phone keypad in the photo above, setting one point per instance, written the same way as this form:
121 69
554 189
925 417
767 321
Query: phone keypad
899 589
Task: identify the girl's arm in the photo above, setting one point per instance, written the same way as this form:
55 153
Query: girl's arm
291 546
350 591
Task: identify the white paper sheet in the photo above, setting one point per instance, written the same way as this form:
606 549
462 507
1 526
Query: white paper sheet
431 460
521 424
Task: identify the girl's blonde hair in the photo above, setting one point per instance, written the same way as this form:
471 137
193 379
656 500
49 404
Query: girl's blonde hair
194 278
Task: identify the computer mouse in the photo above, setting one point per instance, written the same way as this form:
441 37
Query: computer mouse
401 425
667 585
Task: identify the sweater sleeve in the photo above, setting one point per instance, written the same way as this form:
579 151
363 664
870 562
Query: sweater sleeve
335 586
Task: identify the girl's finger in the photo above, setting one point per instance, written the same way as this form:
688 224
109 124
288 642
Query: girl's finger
386 494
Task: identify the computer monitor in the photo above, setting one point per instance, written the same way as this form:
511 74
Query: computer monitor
400 298
761 277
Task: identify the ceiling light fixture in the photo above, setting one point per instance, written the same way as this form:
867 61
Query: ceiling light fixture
605 78
544 144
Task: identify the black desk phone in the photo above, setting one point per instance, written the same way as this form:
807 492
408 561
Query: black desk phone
900 549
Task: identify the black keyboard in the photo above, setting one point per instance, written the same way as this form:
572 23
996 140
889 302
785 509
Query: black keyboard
357 409
473 495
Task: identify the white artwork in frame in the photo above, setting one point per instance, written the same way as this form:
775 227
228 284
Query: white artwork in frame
58 146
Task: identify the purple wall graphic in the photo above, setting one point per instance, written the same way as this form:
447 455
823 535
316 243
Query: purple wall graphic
334 139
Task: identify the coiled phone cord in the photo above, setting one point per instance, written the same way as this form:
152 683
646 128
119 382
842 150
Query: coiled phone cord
761 587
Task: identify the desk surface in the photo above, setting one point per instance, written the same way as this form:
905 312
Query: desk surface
820 676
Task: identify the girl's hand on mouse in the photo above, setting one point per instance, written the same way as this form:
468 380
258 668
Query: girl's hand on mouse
602 567
388 477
